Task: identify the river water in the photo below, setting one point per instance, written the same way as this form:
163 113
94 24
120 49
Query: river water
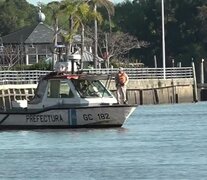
157 142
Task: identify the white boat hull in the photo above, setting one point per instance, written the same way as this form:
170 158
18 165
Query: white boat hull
89 116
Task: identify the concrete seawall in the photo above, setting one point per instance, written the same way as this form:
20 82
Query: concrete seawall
160 91
141 91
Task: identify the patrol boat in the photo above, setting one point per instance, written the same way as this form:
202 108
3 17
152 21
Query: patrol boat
64 100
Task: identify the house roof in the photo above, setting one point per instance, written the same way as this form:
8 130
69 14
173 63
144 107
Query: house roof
36 34
42 34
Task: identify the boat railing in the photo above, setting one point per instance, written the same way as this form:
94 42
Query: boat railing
32 76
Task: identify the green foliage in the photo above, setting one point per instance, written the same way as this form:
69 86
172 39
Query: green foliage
37 66
41 66
183 28
15 14
185 24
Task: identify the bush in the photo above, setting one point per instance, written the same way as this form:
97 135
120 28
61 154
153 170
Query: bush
37 66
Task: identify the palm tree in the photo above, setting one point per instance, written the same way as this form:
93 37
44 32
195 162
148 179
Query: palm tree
54 8
79 13
69 7
110 10
84 15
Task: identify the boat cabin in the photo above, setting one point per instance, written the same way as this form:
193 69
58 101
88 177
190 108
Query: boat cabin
71 90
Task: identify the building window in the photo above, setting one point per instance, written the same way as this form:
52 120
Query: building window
32 59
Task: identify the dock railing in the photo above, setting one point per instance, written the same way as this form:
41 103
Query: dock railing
148 73
32 76
21 77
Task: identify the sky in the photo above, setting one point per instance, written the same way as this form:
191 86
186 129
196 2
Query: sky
47 1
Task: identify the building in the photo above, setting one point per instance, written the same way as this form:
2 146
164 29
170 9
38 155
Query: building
34 44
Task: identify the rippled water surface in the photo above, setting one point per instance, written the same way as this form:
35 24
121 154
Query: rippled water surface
157 142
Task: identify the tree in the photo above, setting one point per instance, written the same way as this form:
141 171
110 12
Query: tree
54 7
15 14
142 18
110 9
120 44
69 8
78 13
84 15
10 56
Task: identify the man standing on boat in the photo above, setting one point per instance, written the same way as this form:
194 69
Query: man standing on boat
121 80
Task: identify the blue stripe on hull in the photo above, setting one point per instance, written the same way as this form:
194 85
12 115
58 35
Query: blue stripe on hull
72 117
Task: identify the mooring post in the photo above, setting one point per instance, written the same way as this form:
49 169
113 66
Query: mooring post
202 73
195 93
141 97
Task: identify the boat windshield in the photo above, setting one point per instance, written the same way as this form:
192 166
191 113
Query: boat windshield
90 88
